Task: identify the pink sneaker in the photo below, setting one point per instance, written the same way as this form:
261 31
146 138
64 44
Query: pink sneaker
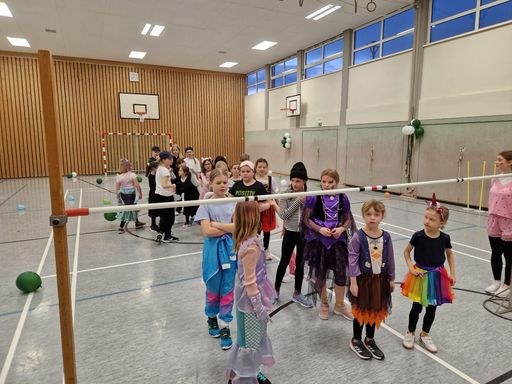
344 310
324 311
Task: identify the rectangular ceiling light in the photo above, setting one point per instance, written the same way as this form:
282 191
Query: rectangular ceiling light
228 64
18 42
157 30
264 45
321 10
145 29
137 55
4 10
329 11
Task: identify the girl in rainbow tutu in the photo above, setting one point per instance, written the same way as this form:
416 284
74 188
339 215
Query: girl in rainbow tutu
427 283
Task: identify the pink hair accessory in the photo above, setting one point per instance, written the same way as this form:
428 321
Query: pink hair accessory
247 163
434 204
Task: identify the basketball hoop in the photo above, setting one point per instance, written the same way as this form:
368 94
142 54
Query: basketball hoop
290 112
142 116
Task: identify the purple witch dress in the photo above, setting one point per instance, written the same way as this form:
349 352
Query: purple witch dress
323 254
252 348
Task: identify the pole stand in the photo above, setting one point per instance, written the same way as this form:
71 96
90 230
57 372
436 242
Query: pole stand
58 220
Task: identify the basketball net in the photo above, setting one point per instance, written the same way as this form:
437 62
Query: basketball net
142 116
292 112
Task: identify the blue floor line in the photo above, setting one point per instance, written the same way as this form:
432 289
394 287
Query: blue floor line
110 294
12 195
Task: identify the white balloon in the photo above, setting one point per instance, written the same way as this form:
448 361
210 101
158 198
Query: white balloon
74 174
286 134
284 183
408 130
269 173
287 145
288 140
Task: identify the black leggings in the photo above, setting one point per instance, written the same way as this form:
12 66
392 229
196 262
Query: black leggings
266 240
358 330
290 241
428 319
498 248
166 215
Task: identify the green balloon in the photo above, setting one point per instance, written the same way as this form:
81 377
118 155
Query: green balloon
139 178
283 141
416 123
69 175
99 180
110 216
106 202
419 132
28 282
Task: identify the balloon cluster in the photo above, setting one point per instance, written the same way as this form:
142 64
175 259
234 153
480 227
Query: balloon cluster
414 128
286 141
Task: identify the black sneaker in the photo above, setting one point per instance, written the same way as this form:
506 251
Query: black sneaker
159 237
213 327
154 228
139 224
360 350
174 238
262 379
374 350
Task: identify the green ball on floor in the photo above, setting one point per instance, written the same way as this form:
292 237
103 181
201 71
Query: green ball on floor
99 180
139 178
110 216
69 175
28 282
106 202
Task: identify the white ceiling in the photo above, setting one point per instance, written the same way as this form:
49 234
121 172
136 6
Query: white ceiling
195 30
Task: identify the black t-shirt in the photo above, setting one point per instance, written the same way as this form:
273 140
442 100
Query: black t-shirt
240 189
429 252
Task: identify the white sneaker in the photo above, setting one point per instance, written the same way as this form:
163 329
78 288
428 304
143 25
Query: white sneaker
503 291
288 278
493 287
427 343
268 256
408 340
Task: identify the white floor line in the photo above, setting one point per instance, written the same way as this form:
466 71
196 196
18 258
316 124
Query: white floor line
459 252
21 323
412 231
432 356
140 262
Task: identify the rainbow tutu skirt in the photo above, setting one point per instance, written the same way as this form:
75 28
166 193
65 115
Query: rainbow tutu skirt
433 287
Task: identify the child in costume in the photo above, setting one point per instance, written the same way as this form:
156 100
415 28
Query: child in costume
427 283
254 297
150 174
204 178
126 186
372 279
219 259
291 211
184 186
328 218
268 217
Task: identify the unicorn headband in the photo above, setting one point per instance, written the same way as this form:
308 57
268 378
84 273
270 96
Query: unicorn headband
434 204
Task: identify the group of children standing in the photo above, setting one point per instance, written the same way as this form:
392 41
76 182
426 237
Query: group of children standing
323 231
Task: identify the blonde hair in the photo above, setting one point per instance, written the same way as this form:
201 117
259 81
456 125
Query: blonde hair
443 213
331 173
221 165
378 206
247 221
218 172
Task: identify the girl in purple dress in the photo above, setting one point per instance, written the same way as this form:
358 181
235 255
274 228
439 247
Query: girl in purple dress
254 295
327 219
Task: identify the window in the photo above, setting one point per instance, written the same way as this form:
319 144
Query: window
324 59
284 72
452 18
256 82
385 37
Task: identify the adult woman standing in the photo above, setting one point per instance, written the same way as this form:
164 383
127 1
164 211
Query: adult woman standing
499 225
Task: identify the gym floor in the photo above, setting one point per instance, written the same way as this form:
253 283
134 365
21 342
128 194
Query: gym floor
139 305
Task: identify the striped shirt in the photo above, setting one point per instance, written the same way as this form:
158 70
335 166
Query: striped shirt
291 211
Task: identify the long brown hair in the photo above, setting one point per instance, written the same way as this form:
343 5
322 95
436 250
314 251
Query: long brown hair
507 155
247 221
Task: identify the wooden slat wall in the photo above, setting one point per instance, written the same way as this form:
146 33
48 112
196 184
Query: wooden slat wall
200 108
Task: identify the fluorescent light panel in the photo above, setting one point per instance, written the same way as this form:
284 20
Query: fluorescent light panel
264 45
137 55
145 29
157 30
228 64
18 42
321 10
4 10
329 11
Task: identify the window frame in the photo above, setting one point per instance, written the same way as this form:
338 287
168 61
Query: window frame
381 41
324 59
478 8
284 73
257 83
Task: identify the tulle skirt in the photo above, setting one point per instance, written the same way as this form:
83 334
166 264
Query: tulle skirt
373 303
431 288
268 220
